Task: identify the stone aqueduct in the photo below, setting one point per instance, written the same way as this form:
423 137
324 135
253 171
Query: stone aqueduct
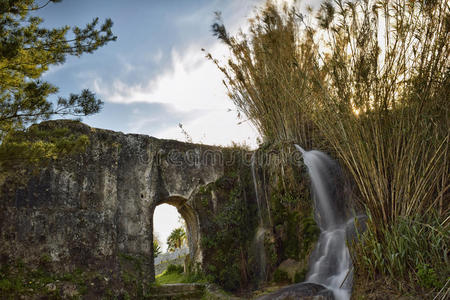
93 207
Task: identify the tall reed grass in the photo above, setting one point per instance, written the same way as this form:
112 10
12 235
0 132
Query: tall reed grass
371 79
266 74
384 102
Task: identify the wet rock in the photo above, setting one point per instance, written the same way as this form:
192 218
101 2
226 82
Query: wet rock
290 266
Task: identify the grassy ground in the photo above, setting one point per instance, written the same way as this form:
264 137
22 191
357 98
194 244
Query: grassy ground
175 274
166 278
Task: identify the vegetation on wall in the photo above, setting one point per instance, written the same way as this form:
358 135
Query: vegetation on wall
291 208
19 279
231 226
231 208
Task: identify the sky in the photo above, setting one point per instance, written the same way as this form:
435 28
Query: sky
155 75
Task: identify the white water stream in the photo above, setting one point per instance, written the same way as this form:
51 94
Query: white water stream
330 261
261 231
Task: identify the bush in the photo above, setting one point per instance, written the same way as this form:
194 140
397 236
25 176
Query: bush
280 276
427 277
419 244
174 269
300 276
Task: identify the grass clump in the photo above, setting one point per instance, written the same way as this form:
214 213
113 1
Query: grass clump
414 250
174 269
170 277
175 274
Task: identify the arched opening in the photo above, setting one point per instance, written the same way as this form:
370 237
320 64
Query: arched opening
175 224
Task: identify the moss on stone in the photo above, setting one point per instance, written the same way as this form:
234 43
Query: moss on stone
231 224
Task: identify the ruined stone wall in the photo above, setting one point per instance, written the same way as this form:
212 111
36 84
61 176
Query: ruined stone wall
95 208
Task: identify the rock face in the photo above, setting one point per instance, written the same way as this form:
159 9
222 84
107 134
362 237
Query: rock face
96 209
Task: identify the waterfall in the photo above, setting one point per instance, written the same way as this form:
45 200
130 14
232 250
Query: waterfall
258 199
330 263
258 242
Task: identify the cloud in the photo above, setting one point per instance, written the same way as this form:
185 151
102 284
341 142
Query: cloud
192 93
139 117
190 81
185 83
214 127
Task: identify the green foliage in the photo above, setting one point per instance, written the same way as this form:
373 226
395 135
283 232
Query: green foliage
310 233
420 245
228 243
21 280
170 277
156 245
280 276
37 145
295 227
133 275
227 240
175 274
136 262
156 248
289 207
174 269
27 50
6 285
427 277
300 276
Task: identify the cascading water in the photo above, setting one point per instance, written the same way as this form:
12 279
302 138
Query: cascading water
261 231
330 261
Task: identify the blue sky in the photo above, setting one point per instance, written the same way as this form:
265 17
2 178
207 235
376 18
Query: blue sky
155 75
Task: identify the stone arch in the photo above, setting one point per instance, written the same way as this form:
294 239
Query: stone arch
192 224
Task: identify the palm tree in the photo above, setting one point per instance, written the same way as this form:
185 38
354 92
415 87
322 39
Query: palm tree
176 239
156 249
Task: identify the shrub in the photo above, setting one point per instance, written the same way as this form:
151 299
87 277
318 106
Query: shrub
427 277
174 269
300 276
280 276
420 244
